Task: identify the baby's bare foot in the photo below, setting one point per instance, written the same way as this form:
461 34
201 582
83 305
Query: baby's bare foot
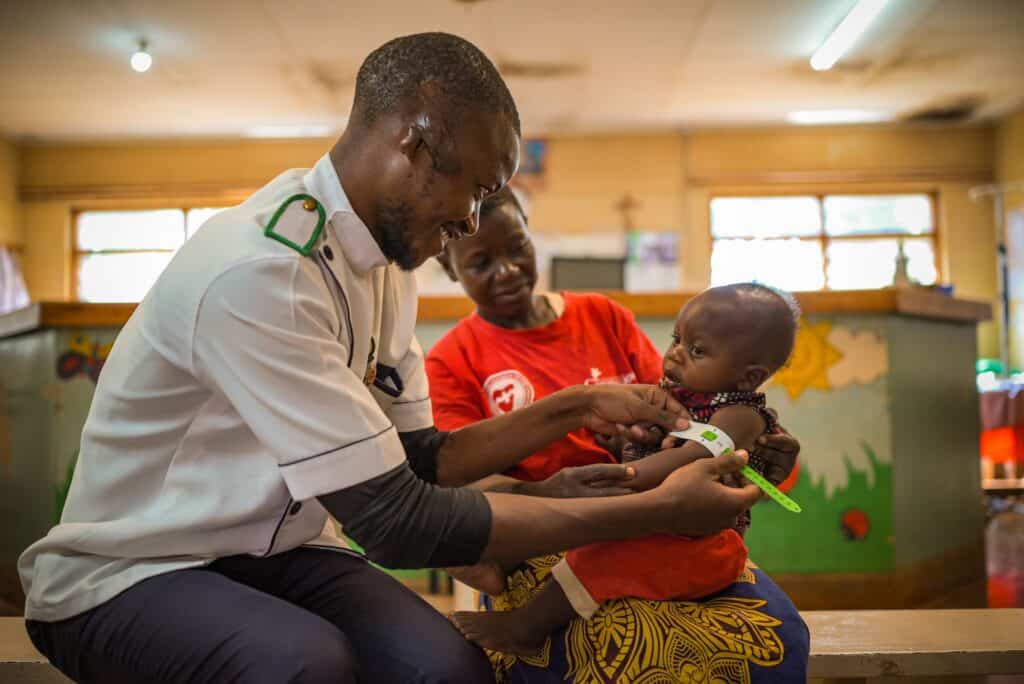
504 632
485 577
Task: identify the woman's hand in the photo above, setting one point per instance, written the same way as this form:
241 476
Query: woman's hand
596 479
631 410
695 500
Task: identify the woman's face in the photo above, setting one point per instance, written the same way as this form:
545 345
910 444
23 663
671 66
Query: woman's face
497 267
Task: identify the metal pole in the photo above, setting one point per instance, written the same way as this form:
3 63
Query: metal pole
1002 261
1004 285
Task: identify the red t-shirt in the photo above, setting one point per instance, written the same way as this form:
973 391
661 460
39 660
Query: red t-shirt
478 370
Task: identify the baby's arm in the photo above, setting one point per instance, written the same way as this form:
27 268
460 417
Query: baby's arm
742 423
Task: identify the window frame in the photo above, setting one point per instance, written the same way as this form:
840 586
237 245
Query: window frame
76 214
823 238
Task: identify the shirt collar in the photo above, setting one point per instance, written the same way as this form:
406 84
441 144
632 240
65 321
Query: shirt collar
361 250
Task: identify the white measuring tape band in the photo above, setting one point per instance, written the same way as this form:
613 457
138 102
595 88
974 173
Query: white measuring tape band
710 437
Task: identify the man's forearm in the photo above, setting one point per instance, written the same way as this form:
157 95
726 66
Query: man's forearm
526 527
540 488
490 446
403 522
502 483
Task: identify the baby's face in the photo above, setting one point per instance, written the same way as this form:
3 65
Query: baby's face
704 353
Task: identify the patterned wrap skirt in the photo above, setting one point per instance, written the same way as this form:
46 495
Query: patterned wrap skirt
750 633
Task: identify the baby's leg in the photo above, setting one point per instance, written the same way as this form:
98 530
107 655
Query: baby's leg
486 577
520 631
660 568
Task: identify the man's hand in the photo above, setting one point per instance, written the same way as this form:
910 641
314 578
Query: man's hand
777 452
774 454
631 410
597 479
695 500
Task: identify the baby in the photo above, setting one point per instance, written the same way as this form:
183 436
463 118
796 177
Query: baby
727 342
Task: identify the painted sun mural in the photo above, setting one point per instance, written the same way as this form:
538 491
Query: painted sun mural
833 396
813 356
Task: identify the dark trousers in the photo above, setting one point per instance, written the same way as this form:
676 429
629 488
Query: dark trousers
307 615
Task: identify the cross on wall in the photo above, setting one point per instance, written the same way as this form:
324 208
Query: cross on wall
626 206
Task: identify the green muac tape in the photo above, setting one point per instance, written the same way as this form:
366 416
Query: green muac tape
718 443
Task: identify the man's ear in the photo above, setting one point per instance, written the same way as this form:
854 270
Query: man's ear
427 134
446 264
753 377
412 142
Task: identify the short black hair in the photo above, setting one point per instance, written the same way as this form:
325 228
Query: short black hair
395 72
766 319
502 198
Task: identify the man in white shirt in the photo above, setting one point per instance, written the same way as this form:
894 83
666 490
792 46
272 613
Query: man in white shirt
271 377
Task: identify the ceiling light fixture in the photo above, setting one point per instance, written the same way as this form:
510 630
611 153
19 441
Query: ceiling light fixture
141 60
836 116
846 34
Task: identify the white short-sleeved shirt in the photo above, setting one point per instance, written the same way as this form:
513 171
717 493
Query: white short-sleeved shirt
250 380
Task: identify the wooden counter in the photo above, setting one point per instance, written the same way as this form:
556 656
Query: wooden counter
906 302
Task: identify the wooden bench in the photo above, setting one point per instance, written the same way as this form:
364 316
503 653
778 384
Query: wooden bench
20 661
852 645
871 644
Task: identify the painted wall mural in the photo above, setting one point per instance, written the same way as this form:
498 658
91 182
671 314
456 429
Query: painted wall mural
813 356
75 372
83 357
865 357
47 381
833 395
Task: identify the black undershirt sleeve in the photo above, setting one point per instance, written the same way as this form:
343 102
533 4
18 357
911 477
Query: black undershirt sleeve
421 449
402 521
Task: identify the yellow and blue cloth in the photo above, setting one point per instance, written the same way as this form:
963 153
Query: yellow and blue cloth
749 633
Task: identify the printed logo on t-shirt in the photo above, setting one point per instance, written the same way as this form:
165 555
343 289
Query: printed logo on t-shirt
596 378
507 391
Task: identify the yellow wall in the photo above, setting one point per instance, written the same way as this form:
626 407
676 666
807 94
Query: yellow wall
1010 156
46 256
1010 168
671 176
10 229
58 180
588 176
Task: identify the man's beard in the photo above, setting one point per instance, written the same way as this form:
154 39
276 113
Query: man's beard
392 230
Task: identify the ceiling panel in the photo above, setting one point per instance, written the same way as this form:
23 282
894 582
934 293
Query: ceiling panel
222 67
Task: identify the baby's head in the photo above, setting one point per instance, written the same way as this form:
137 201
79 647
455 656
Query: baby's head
731 338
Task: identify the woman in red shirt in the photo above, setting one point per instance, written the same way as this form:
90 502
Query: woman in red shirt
521 345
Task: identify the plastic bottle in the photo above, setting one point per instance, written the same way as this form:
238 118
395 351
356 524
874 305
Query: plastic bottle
1004 550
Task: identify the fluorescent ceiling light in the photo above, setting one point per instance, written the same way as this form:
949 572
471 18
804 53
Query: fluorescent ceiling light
303 131
846 34
836 116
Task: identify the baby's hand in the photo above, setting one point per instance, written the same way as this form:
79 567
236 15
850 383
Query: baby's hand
613 445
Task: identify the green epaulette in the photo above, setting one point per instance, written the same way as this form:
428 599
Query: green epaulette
293 221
